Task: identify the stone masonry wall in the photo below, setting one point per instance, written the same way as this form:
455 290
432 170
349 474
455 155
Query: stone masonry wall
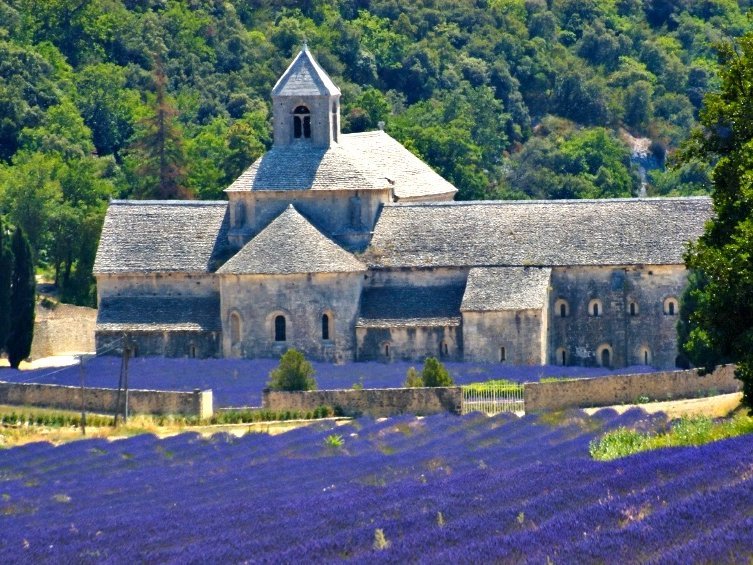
371 402
627 389
521 333
627 336
64 329
103 400
302 300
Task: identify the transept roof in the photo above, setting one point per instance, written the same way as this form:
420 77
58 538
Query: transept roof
290 245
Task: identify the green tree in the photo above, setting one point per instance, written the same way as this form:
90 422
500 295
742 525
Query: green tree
413 379
6 268
716 322
22 300
158 147
434 373
293 373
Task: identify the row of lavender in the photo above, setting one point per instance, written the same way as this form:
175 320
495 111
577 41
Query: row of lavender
239 382
449 489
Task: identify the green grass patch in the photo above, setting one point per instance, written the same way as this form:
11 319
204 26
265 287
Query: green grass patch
498 384
686 431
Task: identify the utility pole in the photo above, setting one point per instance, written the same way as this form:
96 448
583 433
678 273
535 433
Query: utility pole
123 380
83 393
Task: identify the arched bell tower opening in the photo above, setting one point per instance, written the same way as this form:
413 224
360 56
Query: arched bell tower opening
301 123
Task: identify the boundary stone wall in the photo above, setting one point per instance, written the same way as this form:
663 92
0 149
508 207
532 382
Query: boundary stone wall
627 389
376 403
103 400
63 329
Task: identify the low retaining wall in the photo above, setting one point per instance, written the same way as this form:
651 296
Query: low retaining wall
373 402
103 400
628 389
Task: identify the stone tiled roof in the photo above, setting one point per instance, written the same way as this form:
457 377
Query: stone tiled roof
505 288
360 161
410 306
289 245
162 236
652 231
304 77
155 313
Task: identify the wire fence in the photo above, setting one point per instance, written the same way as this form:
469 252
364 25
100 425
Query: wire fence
493 398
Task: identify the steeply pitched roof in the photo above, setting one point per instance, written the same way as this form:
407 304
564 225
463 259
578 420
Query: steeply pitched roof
304 77
289 245
360 161
156 313
538 233
505 288
162 236
414 306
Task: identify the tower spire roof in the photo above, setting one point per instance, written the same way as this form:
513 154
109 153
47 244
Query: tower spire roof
304 77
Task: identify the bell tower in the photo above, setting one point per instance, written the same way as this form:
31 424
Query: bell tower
306 105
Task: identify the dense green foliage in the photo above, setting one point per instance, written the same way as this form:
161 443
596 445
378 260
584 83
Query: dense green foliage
22 300
6 267
293 373
685 431
716 324
434 373
505 98
413 379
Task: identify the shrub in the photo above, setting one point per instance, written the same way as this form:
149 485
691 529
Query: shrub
435 374
293 373
413 379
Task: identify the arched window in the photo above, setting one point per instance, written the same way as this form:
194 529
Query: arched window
604 355
633 309
280 324
560 356
595 308
235 328
670 306
644 356
301 122
562 308
325 326
502 354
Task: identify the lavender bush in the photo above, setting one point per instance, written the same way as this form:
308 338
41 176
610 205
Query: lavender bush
239 382
442 489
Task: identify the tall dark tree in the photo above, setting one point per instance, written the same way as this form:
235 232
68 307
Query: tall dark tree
22 298
717 314
159 147
6 267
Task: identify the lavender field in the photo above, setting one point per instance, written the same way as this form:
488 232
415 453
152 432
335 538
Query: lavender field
443 489
237 382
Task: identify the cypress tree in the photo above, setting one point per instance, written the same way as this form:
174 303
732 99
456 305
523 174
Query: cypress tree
6 266
22 299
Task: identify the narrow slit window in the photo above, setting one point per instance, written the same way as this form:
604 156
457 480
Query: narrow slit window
502 354
564 357
280 328
386 349
325 326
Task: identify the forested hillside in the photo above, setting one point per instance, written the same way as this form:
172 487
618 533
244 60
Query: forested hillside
505 98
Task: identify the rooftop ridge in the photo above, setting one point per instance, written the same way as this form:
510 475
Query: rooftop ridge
121 202
569 201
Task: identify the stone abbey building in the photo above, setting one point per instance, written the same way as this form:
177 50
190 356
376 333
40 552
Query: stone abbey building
350 248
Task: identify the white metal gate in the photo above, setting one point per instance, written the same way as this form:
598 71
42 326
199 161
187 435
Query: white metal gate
493 398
